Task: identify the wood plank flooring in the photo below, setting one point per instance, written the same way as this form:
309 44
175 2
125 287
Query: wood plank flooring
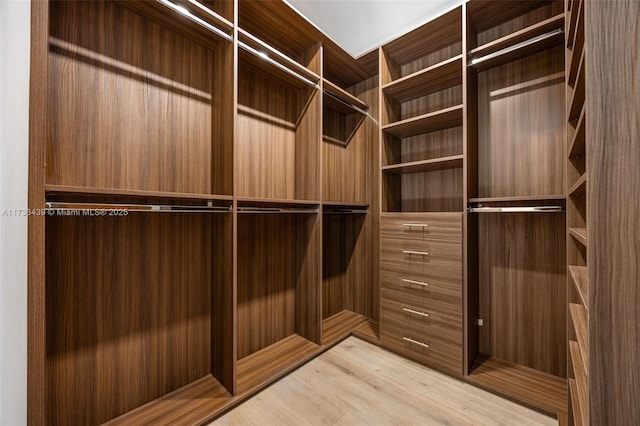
358 383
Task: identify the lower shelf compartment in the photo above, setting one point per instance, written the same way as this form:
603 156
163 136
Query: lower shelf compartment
541 391
339 326
274 361
368 331
190 404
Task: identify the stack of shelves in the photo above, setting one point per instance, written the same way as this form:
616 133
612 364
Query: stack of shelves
421 118
577 235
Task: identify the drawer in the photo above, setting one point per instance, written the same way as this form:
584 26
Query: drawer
424 259
434 226
434 321
436 355
444 340
451 308
444 289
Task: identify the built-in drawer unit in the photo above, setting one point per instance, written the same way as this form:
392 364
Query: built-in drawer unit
421 287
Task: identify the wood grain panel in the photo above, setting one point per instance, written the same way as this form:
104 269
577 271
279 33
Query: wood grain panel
445 312
442 143
437 191
368 331
339 326
138 86
278 279
522 278
422 226
521 116
129 319
489 14
613 75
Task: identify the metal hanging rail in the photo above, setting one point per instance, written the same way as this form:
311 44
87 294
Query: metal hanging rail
65 207
532 209
184 11
348 104
274 210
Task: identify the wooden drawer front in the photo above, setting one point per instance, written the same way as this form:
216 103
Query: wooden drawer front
443 357
446 290
452 306
433 226
435 259
443 320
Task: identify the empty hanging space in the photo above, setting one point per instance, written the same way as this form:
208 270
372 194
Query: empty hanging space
279 123
279 288
421 118
141 311
154 111
516 281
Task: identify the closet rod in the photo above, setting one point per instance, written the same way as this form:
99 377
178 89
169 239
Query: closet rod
346 211
349 104
277 64
271 210
53 207
183 11
533 209
516 46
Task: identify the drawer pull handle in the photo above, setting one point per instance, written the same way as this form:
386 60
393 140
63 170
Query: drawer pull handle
413 311
416 225
415 342
419 253
407 280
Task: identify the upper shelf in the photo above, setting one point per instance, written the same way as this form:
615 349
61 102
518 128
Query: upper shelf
62 191
444 163
486 14
191 17
429 80
534 38
341 100
426 123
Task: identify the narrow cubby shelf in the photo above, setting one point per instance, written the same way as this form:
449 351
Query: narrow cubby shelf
272 362
580 235
579 187
340 326
576 50
580 325
346 97
577 403
438 120
580 278
578 363
88 191
578 95
435 164
435 78
574 22
577 146
534 38
579 393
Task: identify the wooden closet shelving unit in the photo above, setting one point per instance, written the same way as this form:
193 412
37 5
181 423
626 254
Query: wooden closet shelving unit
577 237
514 104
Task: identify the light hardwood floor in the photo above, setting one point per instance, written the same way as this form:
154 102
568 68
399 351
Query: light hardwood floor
356 383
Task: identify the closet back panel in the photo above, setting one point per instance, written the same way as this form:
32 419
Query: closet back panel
278 275
132 107
278 142
522 284
435 191
128 311
520 118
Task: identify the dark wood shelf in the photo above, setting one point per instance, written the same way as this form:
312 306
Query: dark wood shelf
247 201
340 326
368 331
274 361
191 404
518 198
577 48
580 234
438 77
577 147
487 14
581 381
580 277
579 319
553 23
579 187
578 411
443 163
88 191
573 22
534 388
347 97
578 96
344 204
426 123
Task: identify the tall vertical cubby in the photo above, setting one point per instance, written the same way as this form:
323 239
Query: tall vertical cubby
515 245
422 163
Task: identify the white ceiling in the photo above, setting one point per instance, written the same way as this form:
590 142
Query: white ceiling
361 25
